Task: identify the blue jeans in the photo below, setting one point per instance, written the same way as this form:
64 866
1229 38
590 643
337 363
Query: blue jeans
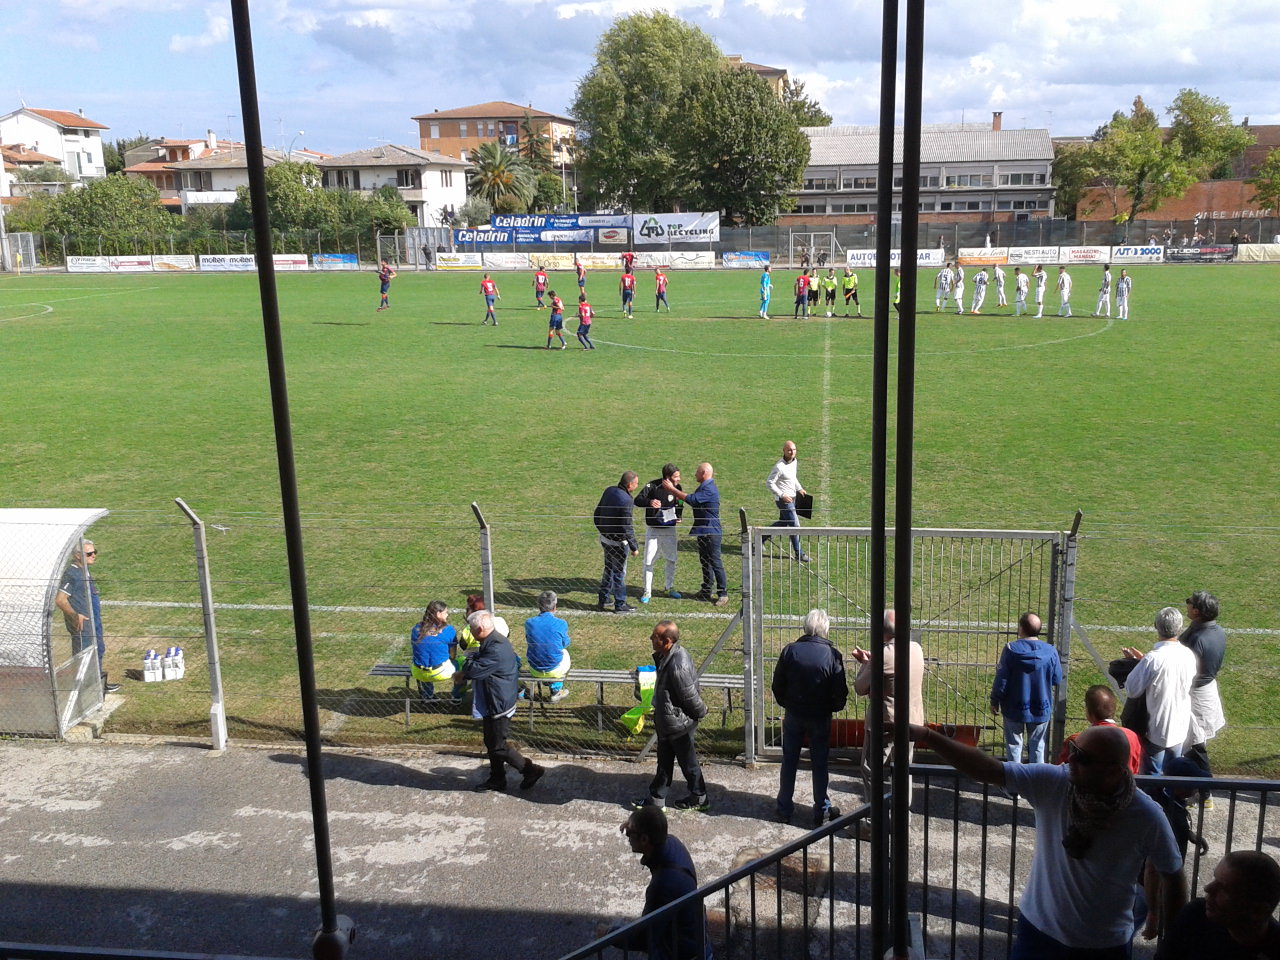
712 565
1154 758
1030 943
613 583
794 729
787 518
1036 732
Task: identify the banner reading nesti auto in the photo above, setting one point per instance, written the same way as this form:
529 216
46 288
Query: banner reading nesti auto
653 228
1033 255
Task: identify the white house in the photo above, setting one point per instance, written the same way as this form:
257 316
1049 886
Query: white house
426 181
71 137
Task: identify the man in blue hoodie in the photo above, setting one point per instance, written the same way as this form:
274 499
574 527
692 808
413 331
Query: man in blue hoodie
1029 669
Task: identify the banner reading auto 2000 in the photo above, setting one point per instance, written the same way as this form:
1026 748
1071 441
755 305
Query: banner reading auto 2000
649 229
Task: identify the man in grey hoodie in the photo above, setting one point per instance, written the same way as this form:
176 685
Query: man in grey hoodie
1029 670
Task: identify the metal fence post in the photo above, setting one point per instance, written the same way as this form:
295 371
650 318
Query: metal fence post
1067 621
486 557
217 705
748 645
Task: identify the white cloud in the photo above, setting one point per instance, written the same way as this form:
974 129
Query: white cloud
217 30
980 65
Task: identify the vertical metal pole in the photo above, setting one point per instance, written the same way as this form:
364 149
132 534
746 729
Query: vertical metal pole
328 940
748 643
1067 621
217 707
486 557
873 732
913 87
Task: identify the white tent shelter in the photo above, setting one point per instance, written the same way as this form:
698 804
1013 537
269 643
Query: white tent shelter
45 686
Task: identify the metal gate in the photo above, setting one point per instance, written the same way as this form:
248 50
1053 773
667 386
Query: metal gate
969 588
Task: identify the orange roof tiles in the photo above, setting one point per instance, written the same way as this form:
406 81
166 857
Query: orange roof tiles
65 118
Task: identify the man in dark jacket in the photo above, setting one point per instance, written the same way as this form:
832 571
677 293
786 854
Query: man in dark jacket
681 935
677 708
1028 671
613 520
1208 641
706 527
809 684
494 674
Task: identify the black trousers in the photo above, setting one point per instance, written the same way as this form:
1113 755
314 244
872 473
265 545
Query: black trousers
673 750
712 566
501 751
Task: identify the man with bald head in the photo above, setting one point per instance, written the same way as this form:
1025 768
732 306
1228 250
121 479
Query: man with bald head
706 527
1094 830
1023 690
785 485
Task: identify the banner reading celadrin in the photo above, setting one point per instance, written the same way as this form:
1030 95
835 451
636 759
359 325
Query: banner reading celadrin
649 229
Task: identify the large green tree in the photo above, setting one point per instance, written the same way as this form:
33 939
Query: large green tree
741 147
295 199
43 173
1138 168
1266 182
114 206
629 110
807 111
501 176
1074 169
534 146
1203 130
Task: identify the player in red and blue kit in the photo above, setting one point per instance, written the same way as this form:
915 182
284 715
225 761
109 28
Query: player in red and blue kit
556 329
385 275
628 287
582 274
540 285
490 291
660 290
585 313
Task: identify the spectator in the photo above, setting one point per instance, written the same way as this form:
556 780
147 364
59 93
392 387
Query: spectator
706 527
1094 830
915 708
677 708
662 512
468 644
1100 709
1234 919
1208 642
494 674
1164 676
432 640
1023 690
613 521
77 598
547 645
809 684
683 934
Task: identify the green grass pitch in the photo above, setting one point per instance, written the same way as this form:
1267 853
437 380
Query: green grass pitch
126 391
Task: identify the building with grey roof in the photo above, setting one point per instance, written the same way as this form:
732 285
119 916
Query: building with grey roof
968 171
427 181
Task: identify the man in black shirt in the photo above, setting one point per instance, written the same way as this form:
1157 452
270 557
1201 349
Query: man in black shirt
1207 640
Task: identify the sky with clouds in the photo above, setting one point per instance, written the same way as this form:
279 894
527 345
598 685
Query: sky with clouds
351 73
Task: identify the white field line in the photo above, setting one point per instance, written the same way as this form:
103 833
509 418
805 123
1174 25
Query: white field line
824 446
339 717
691 615
47 309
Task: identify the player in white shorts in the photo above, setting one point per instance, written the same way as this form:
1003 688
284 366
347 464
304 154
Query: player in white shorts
959 289
979 289
1123 286
1064 292
1020 285
1104 292
1042 281
943 287
997 274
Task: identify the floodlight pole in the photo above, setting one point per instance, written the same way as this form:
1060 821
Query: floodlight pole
335 932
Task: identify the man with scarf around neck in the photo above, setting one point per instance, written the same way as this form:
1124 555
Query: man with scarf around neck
1093 833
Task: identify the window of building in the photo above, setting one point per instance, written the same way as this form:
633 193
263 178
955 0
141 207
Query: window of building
493 128
1022 179
446 178
408 177
433 131
820 183
810 208
853 208
929 181
926 206
1005 205
944 206
462 128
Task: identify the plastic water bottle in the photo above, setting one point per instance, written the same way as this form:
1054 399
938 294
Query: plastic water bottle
166 664
179 663
150 667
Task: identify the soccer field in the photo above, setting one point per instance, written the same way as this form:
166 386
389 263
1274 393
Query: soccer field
126 391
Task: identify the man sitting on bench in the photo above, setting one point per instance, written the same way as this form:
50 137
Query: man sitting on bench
548 646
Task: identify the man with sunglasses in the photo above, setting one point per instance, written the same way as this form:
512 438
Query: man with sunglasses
81 607
1094 831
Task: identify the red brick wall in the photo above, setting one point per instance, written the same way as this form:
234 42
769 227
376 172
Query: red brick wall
1213 199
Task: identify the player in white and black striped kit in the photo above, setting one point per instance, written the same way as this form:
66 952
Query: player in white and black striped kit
979 289
997 274
1020 285
959 288
943 285
1123 286
1064 292
1104 293
1042 281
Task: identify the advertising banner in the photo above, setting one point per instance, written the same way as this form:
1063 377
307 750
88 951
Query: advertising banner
557 221
173 263
225 262
866 259
484 235
655 228
334 261
1258 252
1071 255
982 256
510 261
289 262
1137 254
556 236
133 263
613 234
744 259
1215 254
87 265
676 260
459 261
1033 255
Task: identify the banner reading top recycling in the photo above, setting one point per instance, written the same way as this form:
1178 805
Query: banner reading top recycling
648 229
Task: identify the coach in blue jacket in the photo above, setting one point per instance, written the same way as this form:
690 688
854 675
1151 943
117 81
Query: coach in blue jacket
1029 670
706 527
810 685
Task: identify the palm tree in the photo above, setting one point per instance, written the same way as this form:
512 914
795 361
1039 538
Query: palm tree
498 173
